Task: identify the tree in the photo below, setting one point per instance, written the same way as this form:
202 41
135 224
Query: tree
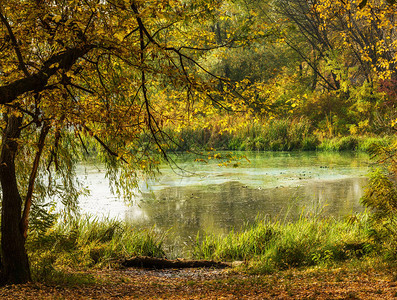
347 46
113 71
367 30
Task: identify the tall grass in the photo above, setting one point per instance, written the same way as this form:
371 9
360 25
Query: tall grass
274 135
265 246
269 246
279 135
87 243
353 143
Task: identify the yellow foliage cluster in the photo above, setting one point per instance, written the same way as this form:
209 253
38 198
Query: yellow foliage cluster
115 70
368 29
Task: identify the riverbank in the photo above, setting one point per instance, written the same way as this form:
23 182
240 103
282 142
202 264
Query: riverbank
265 248
314 258
273 135
342 282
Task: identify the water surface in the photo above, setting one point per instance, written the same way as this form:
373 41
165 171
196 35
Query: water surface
206 197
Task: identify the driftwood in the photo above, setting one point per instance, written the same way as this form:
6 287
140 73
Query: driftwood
162 263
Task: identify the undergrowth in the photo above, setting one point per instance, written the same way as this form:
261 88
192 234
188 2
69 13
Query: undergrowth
87 243
354 143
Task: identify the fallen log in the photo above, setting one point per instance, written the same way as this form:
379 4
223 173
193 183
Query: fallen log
162 263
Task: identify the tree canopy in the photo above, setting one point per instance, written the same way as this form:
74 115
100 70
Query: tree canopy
110 71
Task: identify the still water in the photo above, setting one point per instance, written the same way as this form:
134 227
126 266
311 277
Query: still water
206 197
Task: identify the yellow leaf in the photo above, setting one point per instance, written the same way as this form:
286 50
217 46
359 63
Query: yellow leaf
57 18
119 36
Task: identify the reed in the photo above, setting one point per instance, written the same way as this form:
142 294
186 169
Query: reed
269 246
266 246
353 143
273 135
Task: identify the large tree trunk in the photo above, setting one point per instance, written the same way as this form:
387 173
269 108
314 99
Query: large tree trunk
14 260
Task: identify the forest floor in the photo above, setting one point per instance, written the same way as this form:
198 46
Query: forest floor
130 283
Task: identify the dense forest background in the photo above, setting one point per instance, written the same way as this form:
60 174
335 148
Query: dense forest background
310 71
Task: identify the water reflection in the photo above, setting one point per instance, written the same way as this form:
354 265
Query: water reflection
219 208
216 199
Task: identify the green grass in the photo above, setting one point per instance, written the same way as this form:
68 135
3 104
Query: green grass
265 247
353 143
268 246
87 243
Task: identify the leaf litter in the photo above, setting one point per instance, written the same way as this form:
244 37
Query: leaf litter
130 283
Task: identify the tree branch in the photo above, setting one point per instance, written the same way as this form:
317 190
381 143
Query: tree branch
22 65
38 81
24 223
106 147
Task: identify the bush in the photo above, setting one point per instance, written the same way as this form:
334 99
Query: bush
381 198
310 143
353 143
369 144
235 143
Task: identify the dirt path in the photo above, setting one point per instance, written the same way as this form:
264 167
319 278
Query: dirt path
216 284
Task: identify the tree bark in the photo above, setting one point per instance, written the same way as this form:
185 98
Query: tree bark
38 81
24 224
14 260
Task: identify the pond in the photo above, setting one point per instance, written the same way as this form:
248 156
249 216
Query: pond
209 198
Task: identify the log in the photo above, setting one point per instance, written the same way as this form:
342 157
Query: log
163 263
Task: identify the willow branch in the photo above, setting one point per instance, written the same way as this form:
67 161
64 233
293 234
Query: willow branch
24 224
106 147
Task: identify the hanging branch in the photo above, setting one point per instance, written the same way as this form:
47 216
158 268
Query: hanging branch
24 223
106 147
82 143
144 91
54 156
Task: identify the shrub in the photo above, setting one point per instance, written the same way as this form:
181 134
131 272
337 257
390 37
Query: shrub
310 143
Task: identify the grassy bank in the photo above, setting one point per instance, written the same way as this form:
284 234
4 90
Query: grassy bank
270 246
87 243
354 143
265 247
274 135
